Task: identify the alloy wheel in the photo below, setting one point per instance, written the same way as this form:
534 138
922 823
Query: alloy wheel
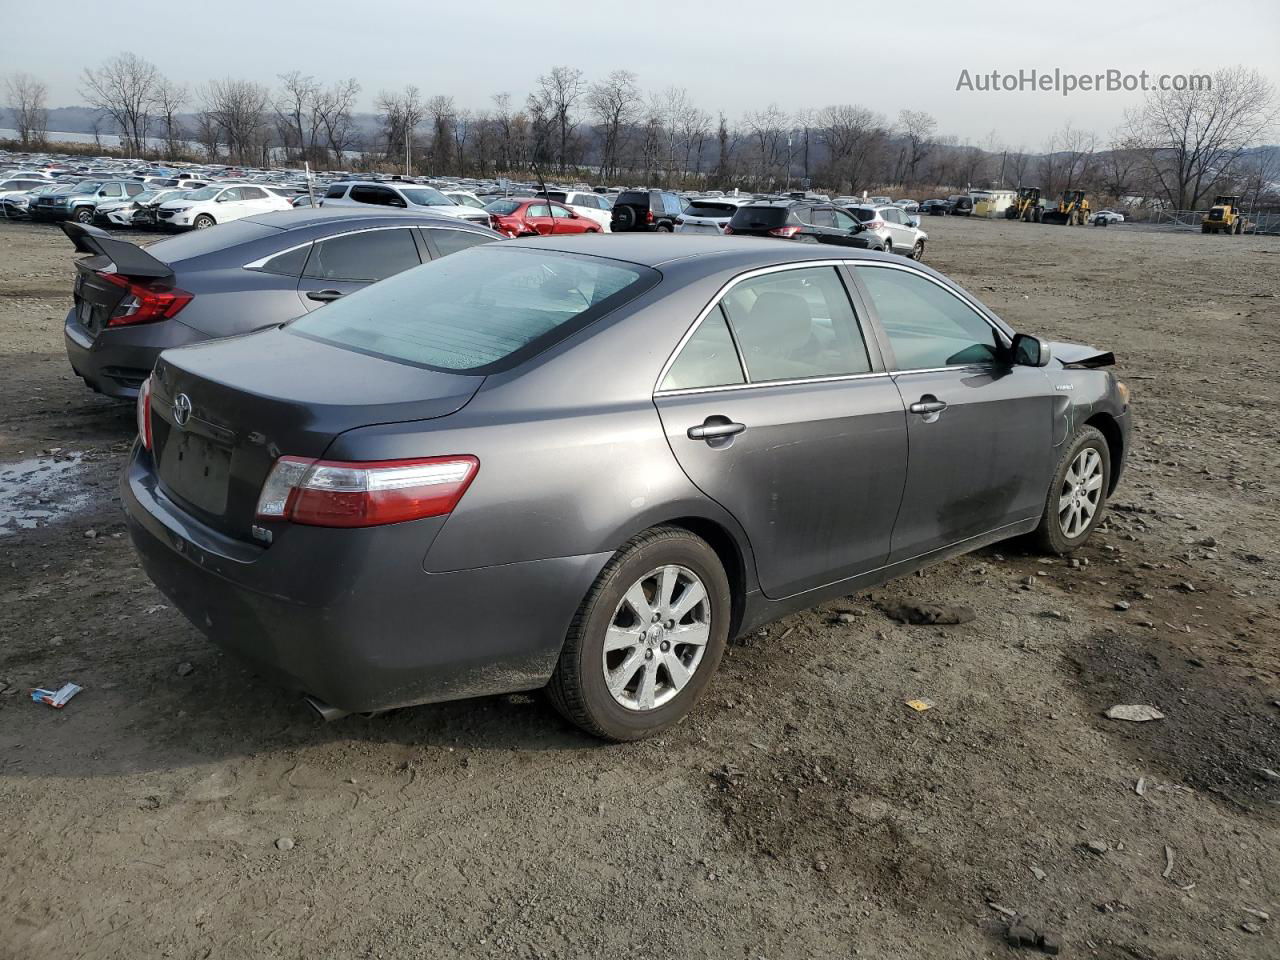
656 638
1081 493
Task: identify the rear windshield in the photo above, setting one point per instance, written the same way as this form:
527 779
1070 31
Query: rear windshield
769 217
481 310
700 208
503 207
635 198
197 243
556 195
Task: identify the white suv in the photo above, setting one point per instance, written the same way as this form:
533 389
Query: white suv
709 214
414 196
219 203
895 227
593 206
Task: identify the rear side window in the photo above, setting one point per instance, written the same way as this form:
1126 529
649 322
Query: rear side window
289 263
503 207
252 193
708 358
927 325
378 195
824 217
371 255
759 218
336 191
451 241
133 189
796 324
482 310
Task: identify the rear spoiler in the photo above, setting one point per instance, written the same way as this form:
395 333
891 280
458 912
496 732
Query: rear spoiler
128 258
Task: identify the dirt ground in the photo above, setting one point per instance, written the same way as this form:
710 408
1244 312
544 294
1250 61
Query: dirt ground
803 811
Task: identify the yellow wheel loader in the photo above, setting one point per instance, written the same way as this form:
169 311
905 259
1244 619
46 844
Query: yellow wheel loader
1072 208
1027 207
1224 217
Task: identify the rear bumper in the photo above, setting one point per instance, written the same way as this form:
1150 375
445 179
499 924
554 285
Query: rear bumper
351 616
116 361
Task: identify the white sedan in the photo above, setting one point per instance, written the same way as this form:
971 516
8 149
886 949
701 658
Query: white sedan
1105 218
220 203
593 206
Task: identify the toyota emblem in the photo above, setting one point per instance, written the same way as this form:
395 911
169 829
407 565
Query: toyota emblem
181 409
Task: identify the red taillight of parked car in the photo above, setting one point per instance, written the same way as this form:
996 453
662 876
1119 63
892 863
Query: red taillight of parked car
143 303
728 229
144 413
679 221
331 493
648 217
786 232
874 224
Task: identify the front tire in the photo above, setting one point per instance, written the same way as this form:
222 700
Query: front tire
202 222
917 252
83 215
1077 496
647 638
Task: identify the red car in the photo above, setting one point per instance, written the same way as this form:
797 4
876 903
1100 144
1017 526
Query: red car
535 217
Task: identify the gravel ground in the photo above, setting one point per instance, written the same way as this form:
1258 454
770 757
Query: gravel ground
180 807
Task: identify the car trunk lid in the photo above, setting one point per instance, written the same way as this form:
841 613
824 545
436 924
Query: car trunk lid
96 297
223 413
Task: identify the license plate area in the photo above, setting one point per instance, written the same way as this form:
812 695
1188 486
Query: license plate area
197 470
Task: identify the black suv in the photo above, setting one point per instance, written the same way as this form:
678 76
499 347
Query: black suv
804 220
650 210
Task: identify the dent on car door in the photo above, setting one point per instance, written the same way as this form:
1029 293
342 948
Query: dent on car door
806 446
342 265
979 427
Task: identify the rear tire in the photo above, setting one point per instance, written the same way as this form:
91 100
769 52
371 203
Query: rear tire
656 676
888 246
1077 497
203 222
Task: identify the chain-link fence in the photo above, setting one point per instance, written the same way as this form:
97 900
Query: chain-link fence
1261 221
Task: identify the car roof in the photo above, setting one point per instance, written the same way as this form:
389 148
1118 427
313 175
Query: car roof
322 216
658 249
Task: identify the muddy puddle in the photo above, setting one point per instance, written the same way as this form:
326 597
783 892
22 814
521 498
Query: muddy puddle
39 491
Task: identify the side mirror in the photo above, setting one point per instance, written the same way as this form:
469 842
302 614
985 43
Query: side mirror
1029 351
914 221
398 202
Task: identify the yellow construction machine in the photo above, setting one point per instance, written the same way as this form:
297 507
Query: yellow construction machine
1072 208
1224 217
1026 207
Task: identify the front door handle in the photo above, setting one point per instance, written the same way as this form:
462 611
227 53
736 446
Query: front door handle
715 428
928 404
324 296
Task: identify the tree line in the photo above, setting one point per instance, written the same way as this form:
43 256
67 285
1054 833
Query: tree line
1175 147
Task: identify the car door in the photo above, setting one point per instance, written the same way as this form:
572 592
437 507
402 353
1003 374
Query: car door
566 221
979 427
537 217
847 229
827 228
228 205
343 264
777 407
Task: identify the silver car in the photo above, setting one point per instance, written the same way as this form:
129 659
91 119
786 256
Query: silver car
899 230
584 463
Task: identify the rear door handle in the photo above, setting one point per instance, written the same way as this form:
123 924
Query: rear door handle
715 428
324 296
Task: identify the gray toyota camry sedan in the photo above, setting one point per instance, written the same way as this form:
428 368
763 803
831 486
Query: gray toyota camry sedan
584 463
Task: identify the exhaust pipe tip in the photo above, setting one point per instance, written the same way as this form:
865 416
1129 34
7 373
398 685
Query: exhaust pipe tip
323 710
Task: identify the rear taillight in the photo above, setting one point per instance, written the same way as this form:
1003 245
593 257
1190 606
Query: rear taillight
728 229
330 493
648 217
679 221
144 413
142 303
874 224
786 232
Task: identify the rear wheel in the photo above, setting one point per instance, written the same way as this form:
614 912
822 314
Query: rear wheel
888 246
647 638
1078 494
203 222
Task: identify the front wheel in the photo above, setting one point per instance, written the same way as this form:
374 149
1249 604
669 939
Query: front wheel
1078 494
917 252
647 638
202 222
83 215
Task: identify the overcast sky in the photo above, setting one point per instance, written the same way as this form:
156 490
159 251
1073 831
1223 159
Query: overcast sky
731 56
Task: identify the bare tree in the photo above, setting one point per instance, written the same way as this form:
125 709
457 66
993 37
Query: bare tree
551 106
615 104
124 88
855 138
767 129
26 98
400 114
298 112
917 129
170 98
1193 138
238 109
443 113
334 113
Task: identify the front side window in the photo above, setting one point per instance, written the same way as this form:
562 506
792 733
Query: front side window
368 256
228 195
708 358
336 191
112 190
928 326
796 324
380 196
561 213
480 310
